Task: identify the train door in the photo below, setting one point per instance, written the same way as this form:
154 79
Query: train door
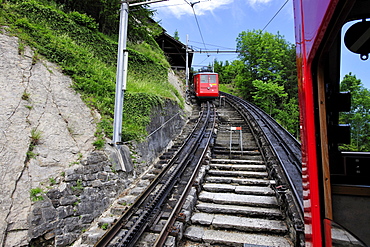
344 178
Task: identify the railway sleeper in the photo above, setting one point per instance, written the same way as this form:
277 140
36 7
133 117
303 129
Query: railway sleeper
237 203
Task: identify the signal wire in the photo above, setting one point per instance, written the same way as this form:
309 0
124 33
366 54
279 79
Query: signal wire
275 15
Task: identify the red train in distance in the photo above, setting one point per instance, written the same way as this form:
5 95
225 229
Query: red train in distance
205 85
336 184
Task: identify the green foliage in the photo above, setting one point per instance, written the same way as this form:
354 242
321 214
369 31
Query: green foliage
267 95
30 155
36 194
176 35
104 12
227 88
89 57
104 226
156 55
99 143
267 58
26 96
35 136
78 186
228 72
288 116
265 74
83 20
359 115
34 140
138 106
52 181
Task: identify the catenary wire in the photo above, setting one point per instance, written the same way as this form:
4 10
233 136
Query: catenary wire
228 48
196 19
275 14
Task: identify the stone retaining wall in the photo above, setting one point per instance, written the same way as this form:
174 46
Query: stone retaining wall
88 189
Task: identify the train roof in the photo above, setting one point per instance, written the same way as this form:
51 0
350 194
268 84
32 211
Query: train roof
206 73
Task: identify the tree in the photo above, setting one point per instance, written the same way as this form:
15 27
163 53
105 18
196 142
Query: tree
267 95
268 77
105 12
359 115
268 58
228 72
176 35
288 117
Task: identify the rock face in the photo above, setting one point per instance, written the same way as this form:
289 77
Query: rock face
46 135
35 98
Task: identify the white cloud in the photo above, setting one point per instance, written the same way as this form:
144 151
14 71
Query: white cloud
179 8
254 3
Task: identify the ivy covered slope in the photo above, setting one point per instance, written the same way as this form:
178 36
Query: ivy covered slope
73 40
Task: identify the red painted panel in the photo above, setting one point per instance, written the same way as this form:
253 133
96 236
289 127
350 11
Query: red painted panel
206 88
311 21
315 16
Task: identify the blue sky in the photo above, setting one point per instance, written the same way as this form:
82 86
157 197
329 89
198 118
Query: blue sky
221 21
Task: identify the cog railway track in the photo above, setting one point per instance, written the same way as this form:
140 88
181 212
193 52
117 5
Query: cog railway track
223 186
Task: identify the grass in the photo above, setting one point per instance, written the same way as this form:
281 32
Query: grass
104 226
36 194
79 185
228 88
26 96
34 140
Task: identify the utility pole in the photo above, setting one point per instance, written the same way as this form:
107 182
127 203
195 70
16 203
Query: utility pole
121 78
187 64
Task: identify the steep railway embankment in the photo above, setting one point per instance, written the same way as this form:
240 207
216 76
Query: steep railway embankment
53 181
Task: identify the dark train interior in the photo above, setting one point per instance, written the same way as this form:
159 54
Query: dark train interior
346 175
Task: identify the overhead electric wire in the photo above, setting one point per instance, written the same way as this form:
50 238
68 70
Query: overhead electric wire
192 41
165 6
196 19
275 15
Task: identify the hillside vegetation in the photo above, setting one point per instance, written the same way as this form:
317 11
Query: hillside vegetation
265 74
75 41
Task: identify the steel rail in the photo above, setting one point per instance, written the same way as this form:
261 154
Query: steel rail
177 160
286 154
162 237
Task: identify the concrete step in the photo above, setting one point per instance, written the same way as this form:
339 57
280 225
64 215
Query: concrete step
238 189
235 161
270 213
220 221
241 181
237 167
238 199
234 238
245 174
236 150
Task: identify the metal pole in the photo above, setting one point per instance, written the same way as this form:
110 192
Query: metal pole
121 77
241 140
187 64
231 137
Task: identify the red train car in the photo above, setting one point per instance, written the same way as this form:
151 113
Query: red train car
336 184
206 85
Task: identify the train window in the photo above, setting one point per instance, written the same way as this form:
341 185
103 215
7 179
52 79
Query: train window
204 78
354 76
212 79
350 168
